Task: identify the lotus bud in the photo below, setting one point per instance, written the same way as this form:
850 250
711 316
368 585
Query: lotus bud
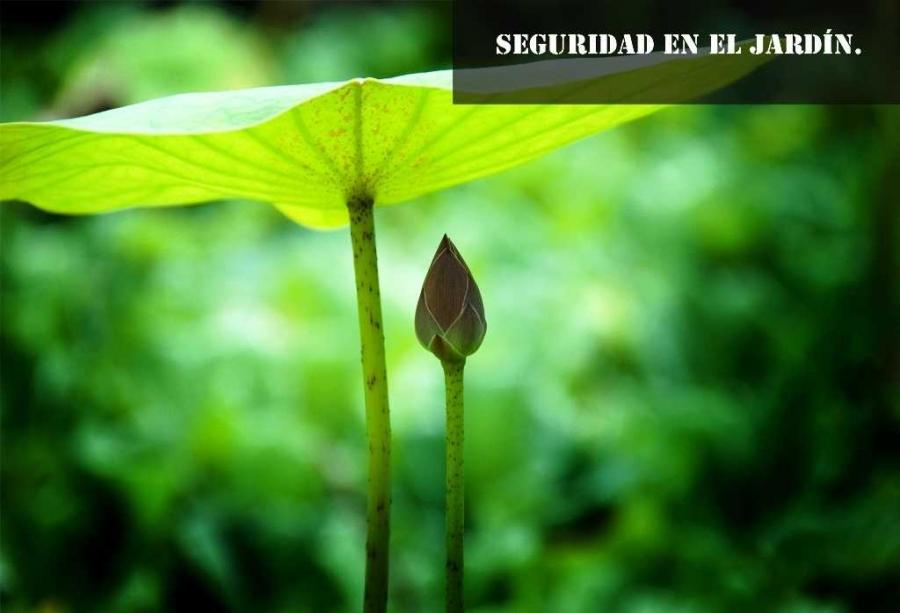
450 315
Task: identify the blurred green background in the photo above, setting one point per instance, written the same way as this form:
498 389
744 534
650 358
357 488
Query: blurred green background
687 399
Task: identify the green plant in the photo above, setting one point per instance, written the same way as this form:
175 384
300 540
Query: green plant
324 154
450 323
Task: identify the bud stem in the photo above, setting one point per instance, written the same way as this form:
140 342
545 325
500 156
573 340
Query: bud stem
378 426
453 382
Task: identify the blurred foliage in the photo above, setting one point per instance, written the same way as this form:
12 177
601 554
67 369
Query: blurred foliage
687 399
191 48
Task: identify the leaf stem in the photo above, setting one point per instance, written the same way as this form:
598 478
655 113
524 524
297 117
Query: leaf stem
378 425
453 383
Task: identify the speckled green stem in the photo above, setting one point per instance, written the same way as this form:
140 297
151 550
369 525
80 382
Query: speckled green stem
453 382
378 423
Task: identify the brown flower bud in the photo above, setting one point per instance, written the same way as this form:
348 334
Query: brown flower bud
450 319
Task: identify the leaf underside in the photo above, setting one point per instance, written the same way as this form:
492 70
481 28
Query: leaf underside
307 149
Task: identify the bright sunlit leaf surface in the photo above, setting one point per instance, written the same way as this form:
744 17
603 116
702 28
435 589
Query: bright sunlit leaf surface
307 149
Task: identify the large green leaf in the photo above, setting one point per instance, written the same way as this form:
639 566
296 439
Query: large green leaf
308 148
